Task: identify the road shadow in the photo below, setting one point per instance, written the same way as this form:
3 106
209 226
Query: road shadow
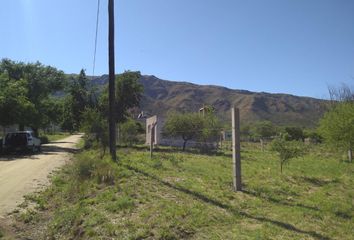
8 157
53 149
47 149
56 142
231 209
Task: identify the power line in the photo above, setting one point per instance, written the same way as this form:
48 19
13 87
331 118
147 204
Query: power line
94 54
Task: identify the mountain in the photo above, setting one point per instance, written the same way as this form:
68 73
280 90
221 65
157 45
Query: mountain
161 96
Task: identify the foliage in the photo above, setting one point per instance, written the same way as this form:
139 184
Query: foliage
128 94
80 97
37 82
15 107
287 150
95 128
194 199
294 134
129 132
337 126
313 135
192 126
263 129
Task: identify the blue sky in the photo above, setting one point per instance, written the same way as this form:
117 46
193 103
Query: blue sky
280 46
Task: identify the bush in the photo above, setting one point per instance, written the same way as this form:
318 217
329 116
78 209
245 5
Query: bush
129 132
44 139
287 150
105 171
84 166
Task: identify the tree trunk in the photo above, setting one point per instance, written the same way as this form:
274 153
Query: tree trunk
35 132
281 167
184 145
350 155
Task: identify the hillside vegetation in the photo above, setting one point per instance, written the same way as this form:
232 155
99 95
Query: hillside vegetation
189 196
161 96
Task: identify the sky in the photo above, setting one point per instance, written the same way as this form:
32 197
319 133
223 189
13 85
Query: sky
298 47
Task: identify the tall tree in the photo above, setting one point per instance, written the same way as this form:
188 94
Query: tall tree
40 82
80 96
15 107
188 126
337 127
128 95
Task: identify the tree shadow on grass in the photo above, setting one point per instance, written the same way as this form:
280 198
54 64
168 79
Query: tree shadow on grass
176 150
278 201
229 208
317 182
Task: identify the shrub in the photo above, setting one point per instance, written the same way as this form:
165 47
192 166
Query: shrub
287 150
44 139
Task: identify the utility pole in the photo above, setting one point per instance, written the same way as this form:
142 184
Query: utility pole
236 149
111 86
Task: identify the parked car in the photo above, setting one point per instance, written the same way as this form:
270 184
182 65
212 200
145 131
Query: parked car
21 141
0 145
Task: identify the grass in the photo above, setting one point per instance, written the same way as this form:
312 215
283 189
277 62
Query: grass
57 136
189 196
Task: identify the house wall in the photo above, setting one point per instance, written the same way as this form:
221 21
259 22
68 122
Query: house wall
157 131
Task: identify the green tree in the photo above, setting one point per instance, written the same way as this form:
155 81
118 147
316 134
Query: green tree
211 130
129 132
95 128
287 150
337 126
128 95
263 129
188 126
40 83
80 97
294 133
15 106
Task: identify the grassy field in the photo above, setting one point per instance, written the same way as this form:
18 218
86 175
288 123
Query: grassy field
189 196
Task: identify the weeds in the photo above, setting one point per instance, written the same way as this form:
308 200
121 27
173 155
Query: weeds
189 196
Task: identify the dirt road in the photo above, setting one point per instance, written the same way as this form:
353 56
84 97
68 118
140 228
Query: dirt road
21 175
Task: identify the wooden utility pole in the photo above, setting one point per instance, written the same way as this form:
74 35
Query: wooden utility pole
236 149
111 87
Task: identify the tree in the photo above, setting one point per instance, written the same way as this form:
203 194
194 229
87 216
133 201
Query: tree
15 107
294 133
129 131
263 129
210 132
188 126
80 97
128 95
337 126
40 82
95 128
287 150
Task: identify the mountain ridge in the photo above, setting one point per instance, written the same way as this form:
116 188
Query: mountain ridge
161 96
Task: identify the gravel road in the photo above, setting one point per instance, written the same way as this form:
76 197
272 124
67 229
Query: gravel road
24 174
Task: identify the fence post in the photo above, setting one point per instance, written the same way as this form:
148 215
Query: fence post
152 138
236 148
